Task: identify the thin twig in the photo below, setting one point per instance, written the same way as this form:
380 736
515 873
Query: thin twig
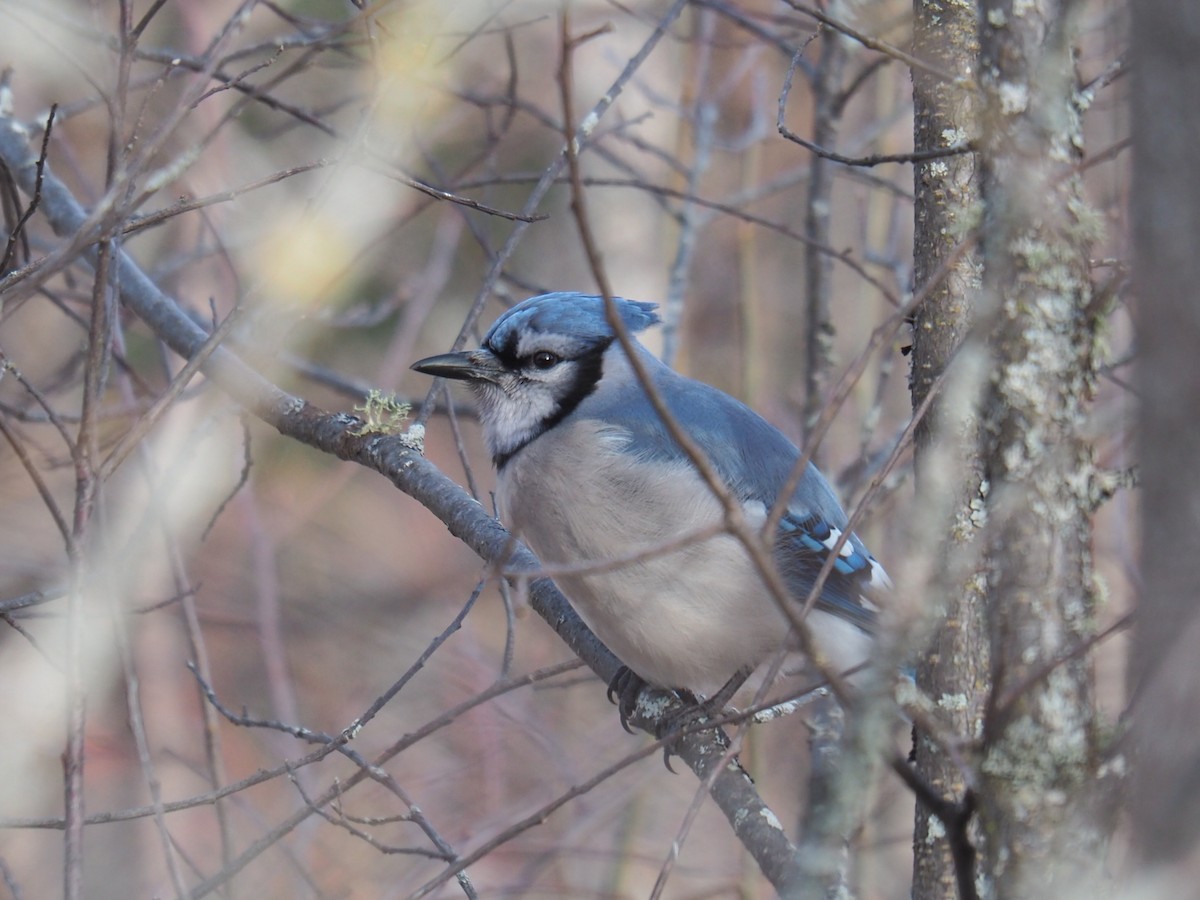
871 43
549 176
859 161
39 484
536 818
17 233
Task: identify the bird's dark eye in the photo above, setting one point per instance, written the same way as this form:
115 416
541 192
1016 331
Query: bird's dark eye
544 359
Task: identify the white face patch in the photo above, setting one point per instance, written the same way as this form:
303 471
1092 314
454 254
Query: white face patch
523 403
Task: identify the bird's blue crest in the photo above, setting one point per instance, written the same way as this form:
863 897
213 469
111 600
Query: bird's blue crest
569 313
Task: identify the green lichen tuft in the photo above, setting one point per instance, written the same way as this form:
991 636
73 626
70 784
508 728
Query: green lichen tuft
381 414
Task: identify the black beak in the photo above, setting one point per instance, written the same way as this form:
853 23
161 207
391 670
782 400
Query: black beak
462 365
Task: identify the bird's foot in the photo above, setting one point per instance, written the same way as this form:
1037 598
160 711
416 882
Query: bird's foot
680 720
625 690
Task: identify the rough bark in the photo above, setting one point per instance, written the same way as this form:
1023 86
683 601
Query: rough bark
1005 443
1038 751
954 669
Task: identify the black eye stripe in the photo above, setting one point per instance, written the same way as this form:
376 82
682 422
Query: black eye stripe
569 389
506 351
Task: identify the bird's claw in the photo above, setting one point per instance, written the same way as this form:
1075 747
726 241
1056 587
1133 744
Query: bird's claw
625 690
680 720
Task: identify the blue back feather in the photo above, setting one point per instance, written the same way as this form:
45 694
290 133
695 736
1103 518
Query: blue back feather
754 458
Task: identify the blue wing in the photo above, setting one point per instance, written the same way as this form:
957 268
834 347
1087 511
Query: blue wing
802 548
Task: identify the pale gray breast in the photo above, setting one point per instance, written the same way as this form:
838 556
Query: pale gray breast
688 617
574 496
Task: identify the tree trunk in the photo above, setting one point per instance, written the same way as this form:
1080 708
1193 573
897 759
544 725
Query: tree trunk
1038 743
947 199
1004 443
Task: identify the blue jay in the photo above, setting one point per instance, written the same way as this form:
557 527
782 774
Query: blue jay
588 473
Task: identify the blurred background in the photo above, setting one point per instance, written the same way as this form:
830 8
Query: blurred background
277 159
